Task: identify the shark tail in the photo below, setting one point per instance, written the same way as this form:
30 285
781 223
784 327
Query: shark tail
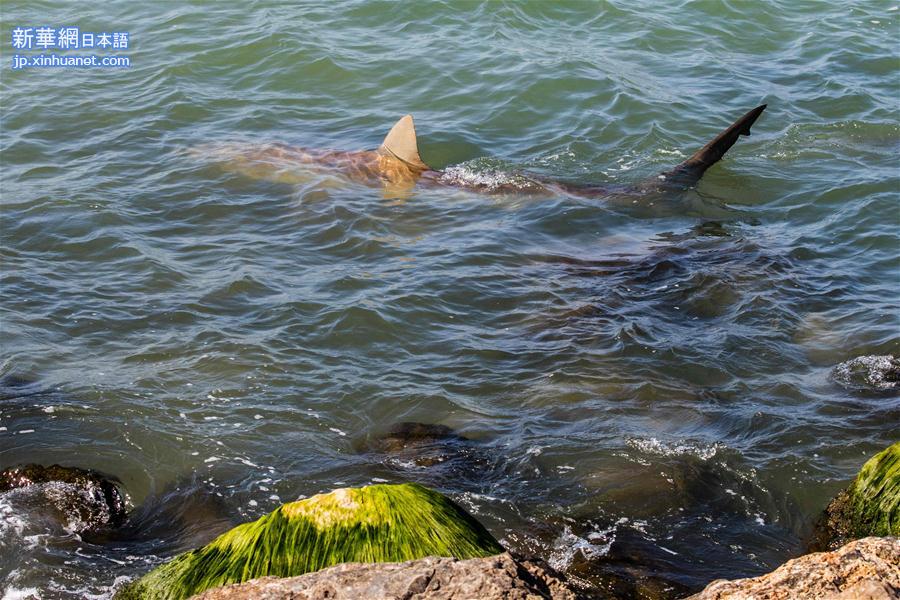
690 171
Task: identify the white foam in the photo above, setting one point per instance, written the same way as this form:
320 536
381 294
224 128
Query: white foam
659 448
11 523
568 545
13 593
489 179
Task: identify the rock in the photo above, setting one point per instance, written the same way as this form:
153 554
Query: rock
427 445
80 499
409 433
863 569
501 577
869 373
869 507
378 523
431 454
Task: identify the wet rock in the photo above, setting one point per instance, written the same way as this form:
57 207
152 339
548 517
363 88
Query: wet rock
408 433
501 577
869 373
869 506
863 569
79 499
430 452
423 443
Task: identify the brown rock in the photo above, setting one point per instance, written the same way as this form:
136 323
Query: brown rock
866 569
493 578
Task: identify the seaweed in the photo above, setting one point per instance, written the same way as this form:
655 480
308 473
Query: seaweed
378 523
870 506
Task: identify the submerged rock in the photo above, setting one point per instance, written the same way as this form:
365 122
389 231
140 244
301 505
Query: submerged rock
432 453
79 499
424 444
870 506
410 433
863 569
869 373
378 523
501 577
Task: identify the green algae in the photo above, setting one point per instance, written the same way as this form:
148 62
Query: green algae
870 506
378 523
874 496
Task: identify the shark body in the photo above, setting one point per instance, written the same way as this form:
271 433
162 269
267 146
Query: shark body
397 166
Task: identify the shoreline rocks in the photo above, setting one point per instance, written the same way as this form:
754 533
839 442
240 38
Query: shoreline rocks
500 577
407 541
866 569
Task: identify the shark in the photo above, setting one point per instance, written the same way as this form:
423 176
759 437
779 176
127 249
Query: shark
397 167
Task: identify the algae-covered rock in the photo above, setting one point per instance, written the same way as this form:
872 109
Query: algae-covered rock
378 523
869 507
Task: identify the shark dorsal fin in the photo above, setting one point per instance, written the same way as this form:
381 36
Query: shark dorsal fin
401 143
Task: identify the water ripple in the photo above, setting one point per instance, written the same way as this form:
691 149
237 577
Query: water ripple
664 385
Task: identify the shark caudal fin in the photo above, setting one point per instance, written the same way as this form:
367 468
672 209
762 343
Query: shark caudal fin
690 171
401 144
